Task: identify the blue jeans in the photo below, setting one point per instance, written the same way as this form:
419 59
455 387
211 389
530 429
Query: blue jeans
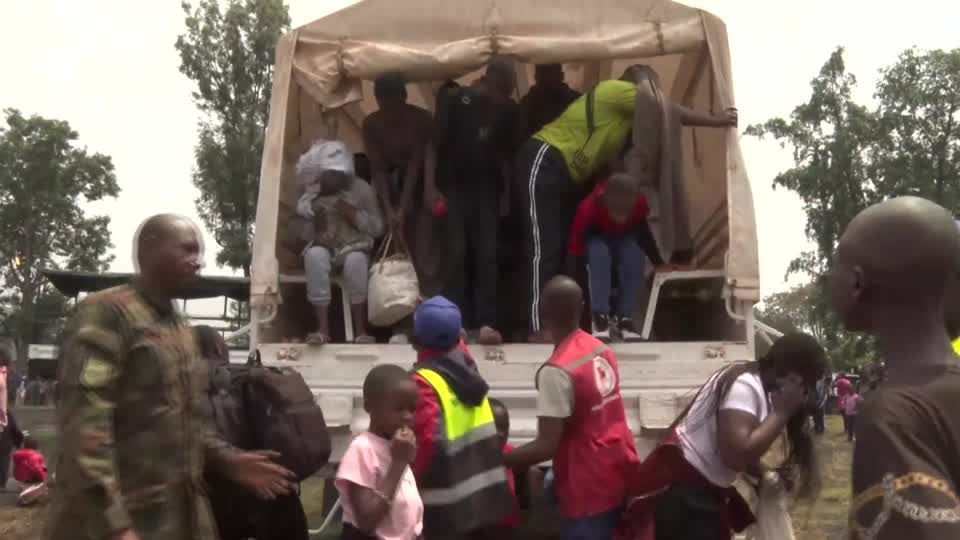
595 527
601 251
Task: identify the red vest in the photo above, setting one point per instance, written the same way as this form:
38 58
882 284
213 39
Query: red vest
596 451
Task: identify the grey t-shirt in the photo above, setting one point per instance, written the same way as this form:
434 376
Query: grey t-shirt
554 393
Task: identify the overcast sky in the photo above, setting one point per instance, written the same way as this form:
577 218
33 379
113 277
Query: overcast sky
109 68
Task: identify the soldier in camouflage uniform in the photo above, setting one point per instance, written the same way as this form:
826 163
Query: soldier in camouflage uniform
132 415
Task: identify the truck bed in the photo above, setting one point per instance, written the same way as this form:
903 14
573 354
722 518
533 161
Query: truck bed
657 380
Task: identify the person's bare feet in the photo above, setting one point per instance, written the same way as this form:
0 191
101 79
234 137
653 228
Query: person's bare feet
489 336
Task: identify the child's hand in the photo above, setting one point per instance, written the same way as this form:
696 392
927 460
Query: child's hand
403 445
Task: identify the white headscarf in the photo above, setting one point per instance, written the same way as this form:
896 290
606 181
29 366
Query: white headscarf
322 156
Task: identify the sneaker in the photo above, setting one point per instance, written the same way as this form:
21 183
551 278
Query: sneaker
601 327
399 339
628 330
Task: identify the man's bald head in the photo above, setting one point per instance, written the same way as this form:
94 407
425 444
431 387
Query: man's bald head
900 254
562 304
155 229
168 252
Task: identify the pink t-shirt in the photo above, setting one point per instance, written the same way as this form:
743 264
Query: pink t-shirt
851 405
365 463
3 396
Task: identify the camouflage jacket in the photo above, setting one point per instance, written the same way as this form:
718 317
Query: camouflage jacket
133 423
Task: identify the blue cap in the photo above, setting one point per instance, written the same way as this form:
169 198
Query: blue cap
436 323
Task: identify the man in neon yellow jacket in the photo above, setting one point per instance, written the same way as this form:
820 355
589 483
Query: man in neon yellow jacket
953 310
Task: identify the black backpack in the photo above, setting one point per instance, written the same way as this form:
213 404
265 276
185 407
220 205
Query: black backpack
269 408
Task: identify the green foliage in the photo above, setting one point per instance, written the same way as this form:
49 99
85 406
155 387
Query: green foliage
918 151
787 311
229 53
847 157
45 179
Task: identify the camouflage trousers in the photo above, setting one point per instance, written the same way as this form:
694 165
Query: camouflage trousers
183 514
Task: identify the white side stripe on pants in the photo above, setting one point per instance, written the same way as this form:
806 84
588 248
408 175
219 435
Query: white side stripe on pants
531 186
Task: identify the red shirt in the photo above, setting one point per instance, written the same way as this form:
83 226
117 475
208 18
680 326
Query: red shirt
592 216
428 414
29 466
844 387
513 520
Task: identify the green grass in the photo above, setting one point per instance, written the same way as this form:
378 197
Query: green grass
825 519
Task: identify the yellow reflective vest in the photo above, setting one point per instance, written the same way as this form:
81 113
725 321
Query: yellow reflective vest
464 488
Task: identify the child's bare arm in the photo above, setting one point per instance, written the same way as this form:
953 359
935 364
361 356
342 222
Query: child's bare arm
371 505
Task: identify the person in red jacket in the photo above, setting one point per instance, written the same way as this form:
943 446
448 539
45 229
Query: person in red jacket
611 225
501 418
581 425
30 469
29 466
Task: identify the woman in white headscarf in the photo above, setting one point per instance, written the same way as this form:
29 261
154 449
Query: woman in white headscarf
342 220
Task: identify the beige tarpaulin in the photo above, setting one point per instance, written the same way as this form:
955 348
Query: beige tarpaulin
321 88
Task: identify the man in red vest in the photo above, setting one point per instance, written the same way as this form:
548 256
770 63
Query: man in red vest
581 425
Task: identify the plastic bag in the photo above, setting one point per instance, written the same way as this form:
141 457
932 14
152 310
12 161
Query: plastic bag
393 289
773 520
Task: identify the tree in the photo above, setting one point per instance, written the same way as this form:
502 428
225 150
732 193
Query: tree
44 180
229 54
847 157
787 311
832 138
918 151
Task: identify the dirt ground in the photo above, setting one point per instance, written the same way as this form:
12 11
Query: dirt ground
825 519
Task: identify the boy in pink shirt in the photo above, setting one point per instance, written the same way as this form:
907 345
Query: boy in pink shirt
377 488
851 407
7 357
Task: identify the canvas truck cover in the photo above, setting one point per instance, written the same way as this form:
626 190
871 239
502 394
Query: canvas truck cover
322 88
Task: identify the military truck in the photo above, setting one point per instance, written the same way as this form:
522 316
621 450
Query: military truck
695 320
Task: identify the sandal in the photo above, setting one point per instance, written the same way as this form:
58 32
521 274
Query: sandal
317 339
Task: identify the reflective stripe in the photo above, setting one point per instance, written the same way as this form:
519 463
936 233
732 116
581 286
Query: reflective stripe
452 448
535 286
585 358
462 490
458 418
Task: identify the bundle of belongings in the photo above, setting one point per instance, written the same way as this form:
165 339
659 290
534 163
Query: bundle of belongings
657 161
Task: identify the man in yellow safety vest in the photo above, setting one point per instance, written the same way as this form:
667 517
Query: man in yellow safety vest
459 464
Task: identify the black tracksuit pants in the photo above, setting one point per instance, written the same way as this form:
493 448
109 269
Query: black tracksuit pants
472 220
548 197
